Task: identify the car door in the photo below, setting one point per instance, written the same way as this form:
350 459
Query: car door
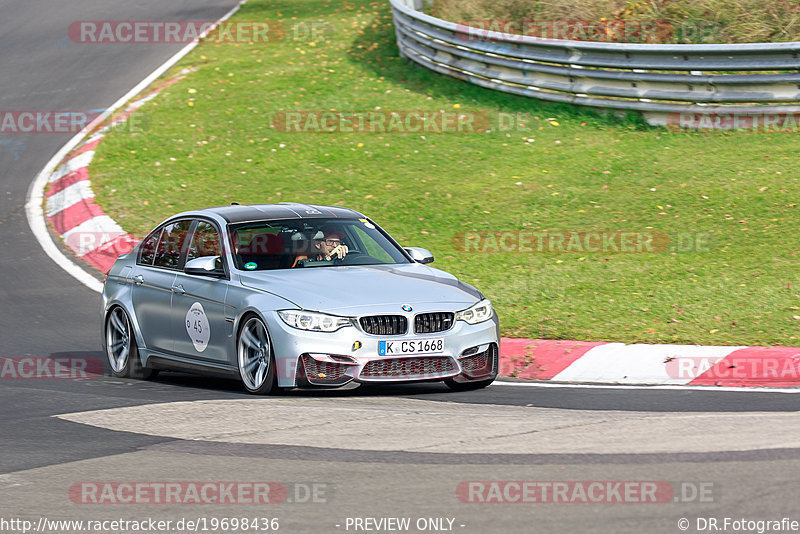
202 330
153 279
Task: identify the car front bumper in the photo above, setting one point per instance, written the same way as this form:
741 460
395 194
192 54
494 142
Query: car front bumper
303 358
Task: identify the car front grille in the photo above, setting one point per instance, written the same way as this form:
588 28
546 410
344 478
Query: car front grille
384 325
399 368
429 323
480 364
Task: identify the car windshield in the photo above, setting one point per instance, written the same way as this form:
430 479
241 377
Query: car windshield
308 243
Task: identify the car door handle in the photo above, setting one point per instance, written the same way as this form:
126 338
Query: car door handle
178 290
138 279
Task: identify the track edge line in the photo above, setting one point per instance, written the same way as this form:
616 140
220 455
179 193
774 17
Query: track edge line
35 197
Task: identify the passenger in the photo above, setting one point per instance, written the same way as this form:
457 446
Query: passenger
301 247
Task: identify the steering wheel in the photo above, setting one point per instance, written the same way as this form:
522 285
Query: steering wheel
352 258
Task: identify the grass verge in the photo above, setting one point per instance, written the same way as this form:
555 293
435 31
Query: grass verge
210 140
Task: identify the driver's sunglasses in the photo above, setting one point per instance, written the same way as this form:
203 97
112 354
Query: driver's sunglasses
331 242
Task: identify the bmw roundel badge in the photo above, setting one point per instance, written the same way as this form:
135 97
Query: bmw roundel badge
407 308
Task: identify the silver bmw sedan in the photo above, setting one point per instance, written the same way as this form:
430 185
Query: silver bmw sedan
293 295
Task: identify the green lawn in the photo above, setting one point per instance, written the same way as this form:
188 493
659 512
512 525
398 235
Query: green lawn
209 141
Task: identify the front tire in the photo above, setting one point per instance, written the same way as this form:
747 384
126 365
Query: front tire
255 357
467 386
477 384
121 349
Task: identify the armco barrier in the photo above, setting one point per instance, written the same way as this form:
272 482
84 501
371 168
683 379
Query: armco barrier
661 81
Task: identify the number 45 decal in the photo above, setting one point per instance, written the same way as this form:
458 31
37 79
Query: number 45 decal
197 327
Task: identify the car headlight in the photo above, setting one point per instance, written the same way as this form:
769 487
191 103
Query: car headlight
316 322
476 313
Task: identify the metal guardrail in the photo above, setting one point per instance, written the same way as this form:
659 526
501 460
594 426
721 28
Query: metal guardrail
663 81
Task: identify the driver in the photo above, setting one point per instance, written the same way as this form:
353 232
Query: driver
328 244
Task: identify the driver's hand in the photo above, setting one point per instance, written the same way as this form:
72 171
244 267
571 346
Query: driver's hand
339 252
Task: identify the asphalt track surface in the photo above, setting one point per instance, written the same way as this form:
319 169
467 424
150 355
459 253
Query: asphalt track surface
410 446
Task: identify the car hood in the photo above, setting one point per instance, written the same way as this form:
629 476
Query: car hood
366 288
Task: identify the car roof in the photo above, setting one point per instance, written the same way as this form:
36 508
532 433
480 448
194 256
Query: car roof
236 213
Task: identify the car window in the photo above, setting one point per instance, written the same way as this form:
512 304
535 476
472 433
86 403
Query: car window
148 249
288 244
168 253
205 242
372 247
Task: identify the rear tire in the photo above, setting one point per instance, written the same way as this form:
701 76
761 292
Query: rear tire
121 350
255 357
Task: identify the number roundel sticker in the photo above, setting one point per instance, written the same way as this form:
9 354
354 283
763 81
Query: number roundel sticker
197 327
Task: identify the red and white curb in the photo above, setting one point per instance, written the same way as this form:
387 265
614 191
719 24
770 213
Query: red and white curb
641 364
70 207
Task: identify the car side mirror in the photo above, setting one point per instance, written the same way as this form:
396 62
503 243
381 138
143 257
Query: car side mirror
205 266
420 255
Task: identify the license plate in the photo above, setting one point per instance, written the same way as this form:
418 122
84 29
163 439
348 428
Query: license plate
410 346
